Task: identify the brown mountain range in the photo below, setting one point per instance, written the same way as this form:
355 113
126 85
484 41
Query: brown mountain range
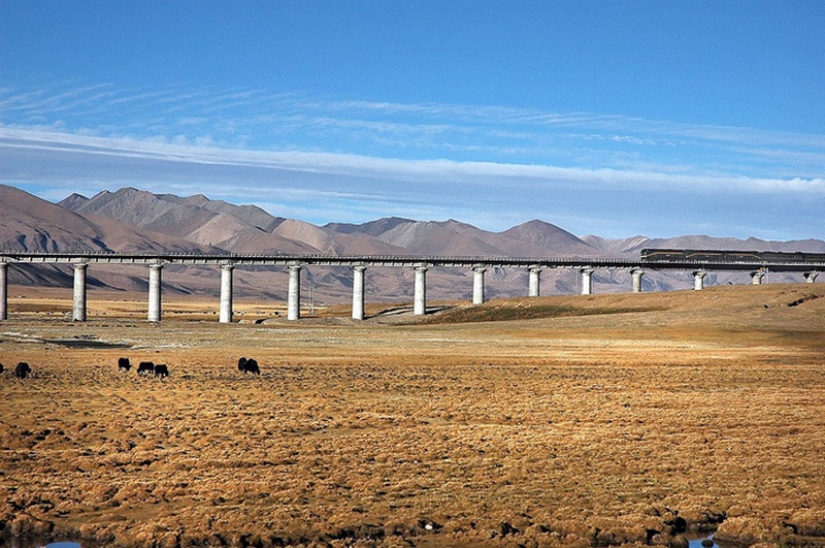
139 221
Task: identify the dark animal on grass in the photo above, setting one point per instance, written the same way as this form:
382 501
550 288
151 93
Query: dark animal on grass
249 366
678 525
1 368
161 370
252 366
123 363
22 370
146 368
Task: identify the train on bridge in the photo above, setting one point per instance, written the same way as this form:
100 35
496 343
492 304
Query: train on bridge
721 256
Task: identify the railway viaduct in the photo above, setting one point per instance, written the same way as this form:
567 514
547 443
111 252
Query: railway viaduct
294 263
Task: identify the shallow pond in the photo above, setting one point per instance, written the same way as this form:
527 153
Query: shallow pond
32 543
700 542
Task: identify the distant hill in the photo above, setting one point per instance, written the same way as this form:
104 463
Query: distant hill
29 223
33 224
133 220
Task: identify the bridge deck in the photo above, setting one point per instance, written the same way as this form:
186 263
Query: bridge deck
408 261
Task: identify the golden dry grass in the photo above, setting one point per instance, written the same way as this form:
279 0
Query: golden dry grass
596 427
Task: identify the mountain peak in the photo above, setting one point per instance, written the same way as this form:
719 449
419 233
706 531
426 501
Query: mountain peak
543 233
372 228
73 202
197 200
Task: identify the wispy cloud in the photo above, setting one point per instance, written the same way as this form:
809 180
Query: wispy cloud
112 159
83 149
266 120
355 159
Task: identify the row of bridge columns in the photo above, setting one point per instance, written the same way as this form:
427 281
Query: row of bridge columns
358 279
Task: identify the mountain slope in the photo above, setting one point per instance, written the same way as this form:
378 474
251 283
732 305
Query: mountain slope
173 215
28 223
547 239
372 228
618 247
448 238
31 224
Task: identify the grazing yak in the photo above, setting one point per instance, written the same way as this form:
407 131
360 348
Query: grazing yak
161 370
1 368
123 363
249 366
146 368
22 370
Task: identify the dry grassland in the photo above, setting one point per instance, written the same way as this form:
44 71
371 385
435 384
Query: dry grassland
584 421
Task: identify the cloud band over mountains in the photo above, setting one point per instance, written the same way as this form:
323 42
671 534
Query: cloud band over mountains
339 160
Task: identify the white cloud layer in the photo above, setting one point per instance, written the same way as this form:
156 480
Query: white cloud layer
355 161
102 155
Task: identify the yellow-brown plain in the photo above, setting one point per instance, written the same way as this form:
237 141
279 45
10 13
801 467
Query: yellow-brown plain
580 421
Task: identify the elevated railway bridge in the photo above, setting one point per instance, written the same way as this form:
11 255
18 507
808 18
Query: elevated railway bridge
698 262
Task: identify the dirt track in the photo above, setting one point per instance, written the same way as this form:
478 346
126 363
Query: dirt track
601 426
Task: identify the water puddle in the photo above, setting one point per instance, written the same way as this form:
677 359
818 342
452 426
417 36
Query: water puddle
29 543
704 542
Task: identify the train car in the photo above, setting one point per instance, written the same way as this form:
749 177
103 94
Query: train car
797 257
727 256
681 255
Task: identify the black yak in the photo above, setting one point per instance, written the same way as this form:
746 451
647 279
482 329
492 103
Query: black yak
249 366
146 368
123 363
22 370
161 370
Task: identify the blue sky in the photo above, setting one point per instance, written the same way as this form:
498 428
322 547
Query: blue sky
608 118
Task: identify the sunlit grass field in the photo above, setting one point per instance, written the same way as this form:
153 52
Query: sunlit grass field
558 421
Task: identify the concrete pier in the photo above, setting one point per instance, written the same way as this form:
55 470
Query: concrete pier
699 279
4 291
420 298
810 277
587 280
155 277
534 287
358 292
79 293
478 284
225 315
756 277
637 274
293 306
